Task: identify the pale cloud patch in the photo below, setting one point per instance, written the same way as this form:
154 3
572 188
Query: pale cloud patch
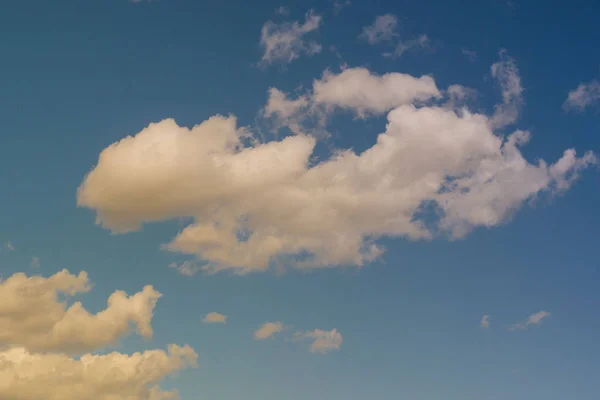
584 96
52 326
470 54
485 322
186 268
257 204
282 10
267 330
214 318
382 29
9 246
506 73
35 262
533 319
339 5
287 41
322 341
385 29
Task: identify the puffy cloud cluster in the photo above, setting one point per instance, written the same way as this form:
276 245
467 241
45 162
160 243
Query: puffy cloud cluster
287 41
435 170
40 335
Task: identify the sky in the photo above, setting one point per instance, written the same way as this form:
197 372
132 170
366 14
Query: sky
300 199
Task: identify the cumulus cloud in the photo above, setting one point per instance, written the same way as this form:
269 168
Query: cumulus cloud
31 376
506 73
32 316
214 318
533 319
287 41
384 29
186 268
267 330
433 171
485 321
42 341
322 341
584 96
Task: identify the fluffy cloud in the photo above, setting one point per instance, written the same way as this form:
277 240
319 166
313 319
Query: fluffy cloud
384 29
533 319
38 332
506 73
214 318
285 42
267 330
32 316
485 321
322 341
28 376
433 171
584 96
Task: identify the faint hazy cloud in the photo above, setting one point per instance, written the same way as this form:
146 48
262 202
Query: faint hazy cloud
485 321
186 268
533 319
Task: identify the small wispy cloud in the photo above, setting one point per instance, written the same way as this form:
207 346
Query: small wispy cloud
267 330
533 319
323 341
339 5
282 10
485 322
35 262
470 54
9 246
186 268
584 96
286 42
214 318
506 73
385 29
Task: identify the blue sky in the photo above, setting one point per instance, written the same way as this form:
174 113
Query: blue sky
78 76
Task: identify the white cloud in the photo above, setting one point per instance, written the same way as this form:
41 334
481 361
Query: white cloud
35 262
533 319
9 246
584 96
267 330
382 29
323 341
40 335
287 41
506 74
366 93
51 326
214 318
31 376
256 204
186 268
485 321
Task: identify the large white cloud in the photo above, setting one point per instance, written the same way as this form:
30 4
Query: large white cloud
32 316
41 342
114 376
258 203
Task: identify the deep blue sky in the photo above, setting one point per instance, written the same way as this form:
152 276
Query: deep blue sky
76 76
